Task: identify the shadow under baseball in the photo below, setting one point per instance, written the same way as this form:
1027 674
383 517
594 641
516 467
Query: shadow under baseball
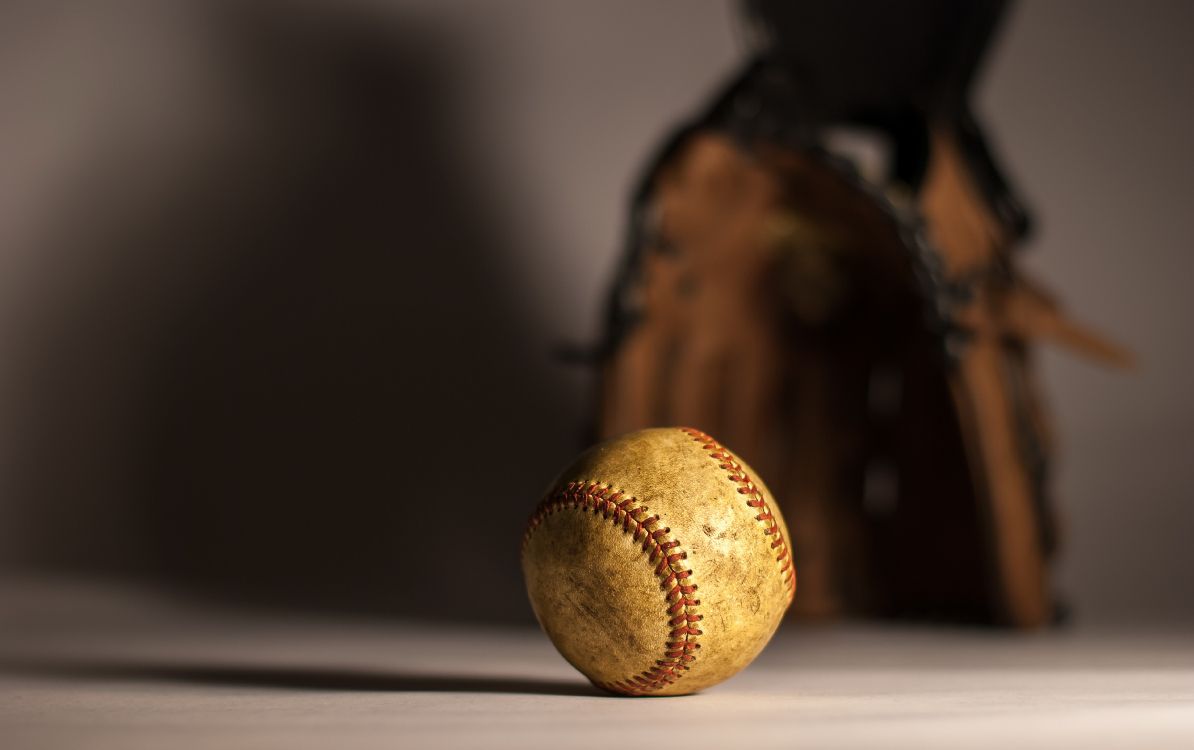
323 679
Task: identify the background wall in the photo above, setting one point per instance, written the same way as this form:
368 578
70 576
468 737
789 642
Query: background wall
279 282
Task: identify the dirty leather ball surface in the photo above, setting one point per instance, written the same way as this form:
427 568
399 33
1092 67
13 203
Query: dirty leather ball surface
658 563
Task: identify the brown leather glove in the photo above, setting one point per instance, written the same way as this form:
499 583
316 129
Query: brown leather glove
878 381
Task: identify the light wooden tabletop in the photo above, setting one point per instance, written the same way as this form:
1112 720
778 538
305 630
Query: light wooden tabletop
115 667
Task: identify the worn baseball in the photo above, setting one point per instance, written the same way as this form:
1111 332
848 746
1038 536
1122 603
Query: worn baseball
658 563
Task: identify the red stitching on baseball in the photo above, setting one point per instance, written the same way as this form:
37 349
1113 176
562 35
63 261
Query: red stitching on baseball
738 475
675 579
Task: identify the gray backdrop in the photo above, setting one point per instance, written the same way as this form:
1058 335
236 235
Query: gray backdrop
279 281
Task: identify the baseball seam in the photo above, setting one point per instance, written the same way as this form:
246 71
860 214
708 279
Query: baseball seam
663 550
755 499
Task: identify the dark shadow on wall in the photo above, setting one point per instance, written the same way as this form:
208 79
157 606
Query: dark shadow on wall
346 408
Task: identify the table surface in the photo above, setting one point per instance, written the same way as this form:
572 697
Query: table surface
113 667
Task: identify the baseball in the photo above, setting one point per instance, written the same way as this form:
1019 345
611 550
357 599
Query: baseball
658 563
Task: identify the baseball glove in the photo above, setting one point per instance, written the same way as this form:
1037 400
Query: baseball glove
864 342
